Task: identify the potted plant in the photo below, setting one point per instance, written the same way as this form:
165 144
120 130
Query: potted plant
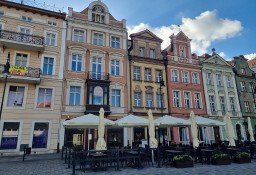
221 159
242 157
183 161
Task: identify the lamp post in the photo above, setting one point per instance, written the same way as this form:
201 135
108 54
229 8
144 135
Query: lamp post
160 129
6 73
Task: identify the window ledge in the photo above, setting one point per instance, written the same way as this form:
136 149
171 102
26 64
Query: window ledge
137 80
139 107
161 108
150 107
148 81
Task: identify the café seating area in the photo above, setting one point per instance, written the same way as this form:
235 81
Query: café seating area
137 157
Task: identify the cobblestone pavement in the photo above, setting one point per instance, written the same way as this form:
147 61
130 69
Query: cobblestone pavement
52 165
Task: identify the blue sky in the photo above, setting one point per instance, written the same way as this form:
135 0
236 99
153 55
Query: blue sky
228 26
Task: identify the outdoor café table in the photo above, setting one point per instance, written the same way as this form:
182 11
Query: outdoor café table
97 162
233 151
208 153
135 155
170 154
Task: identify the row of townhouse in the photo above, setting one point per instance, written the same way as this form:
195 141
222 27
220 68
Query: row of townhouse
63 66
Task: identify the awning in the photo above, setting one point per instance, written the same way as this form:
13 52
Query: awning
202 121
168 120
86 121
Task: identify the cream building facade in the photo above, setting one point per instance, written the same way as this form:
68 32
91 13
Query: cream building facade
32 41
221 92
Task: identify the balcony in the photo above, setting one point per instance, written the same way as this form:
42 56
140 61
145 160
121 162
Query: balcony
94 109
98 76
9 39
20 74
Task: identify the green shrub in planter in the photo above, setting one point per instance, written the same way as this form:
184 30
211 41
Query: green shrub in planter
242 157
221 159
183 161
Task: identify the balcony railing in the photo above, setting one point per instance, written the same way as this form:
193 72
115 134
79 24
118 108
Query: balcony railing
21 37
29 72
94 109
98 76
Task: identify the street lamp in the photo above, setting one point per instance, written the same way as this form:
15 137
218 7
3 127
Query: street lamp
5 73
160 129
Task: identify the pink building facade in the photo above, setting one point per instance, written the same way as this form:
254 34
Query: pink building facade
184 83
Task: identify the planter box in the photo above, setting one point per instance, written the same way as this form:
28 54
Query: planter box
221 161
183 164
242 160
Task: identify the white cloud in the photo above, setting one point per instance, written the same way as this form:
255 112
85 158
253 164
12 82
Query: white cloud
222 54
203 30
250 56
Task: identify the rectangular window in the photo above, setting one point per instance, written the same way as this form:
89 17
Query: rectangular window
243 86
142 51
175 76
147 74
222 103
149 100
76 64
176 99
40 135
218 76
16 96
75 95
185 78
98 39
44 99
198 100
10 135
232 104
251 87
115 67
229 82
52 23
137 99
79 36
247 106
187 99
212 105
159 97
48 66
152 53
25 30
115 98
158 75
115 42
195 78
50 39
25 18
21 60
209 78
182 51
136 73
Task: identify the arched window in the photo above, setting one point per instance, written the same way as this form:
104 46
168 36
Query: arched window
98 14
98 95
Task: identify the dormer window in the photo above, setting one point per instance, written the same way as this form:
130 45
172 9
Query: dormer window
98 14
182 51
242 71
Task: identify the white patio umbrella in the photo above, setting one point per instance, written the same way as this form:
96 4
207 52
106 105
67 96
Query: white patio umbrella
151 130
202 121
133 121
194 130
250 129
101 144
167 121
86 121
230 130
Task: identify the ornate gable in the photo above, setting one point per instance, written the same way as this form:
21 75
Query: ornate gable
181 37
218 60
146 34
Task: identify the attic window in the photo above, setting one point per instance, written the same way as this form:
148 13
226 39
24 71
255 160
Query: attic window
98 14
243 71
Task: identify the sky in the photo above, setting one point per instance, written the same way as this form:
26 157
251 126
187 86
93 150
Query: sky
228 26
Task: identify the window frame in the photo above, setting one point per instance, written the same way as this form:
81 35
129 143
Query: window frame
114 43
52 100
53 66
148 74
209 78
137 101
142 52
232 104
137 75
96 40
176 99
195 80
54 63
222 103
212 103
243 86
116 96
75 93
55 39
79 36
219 79
115 67
176 77
247 107
152 53
187 99
199 100
6 95
185 77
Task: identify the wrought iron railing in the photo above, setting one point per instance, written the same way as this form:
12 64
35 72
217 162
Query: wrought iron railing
98 75
30 72
38 5
21 37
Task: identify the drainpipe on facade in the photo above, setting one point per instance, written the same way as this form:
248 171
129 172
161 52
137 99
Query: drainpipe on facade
130 74
167 80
